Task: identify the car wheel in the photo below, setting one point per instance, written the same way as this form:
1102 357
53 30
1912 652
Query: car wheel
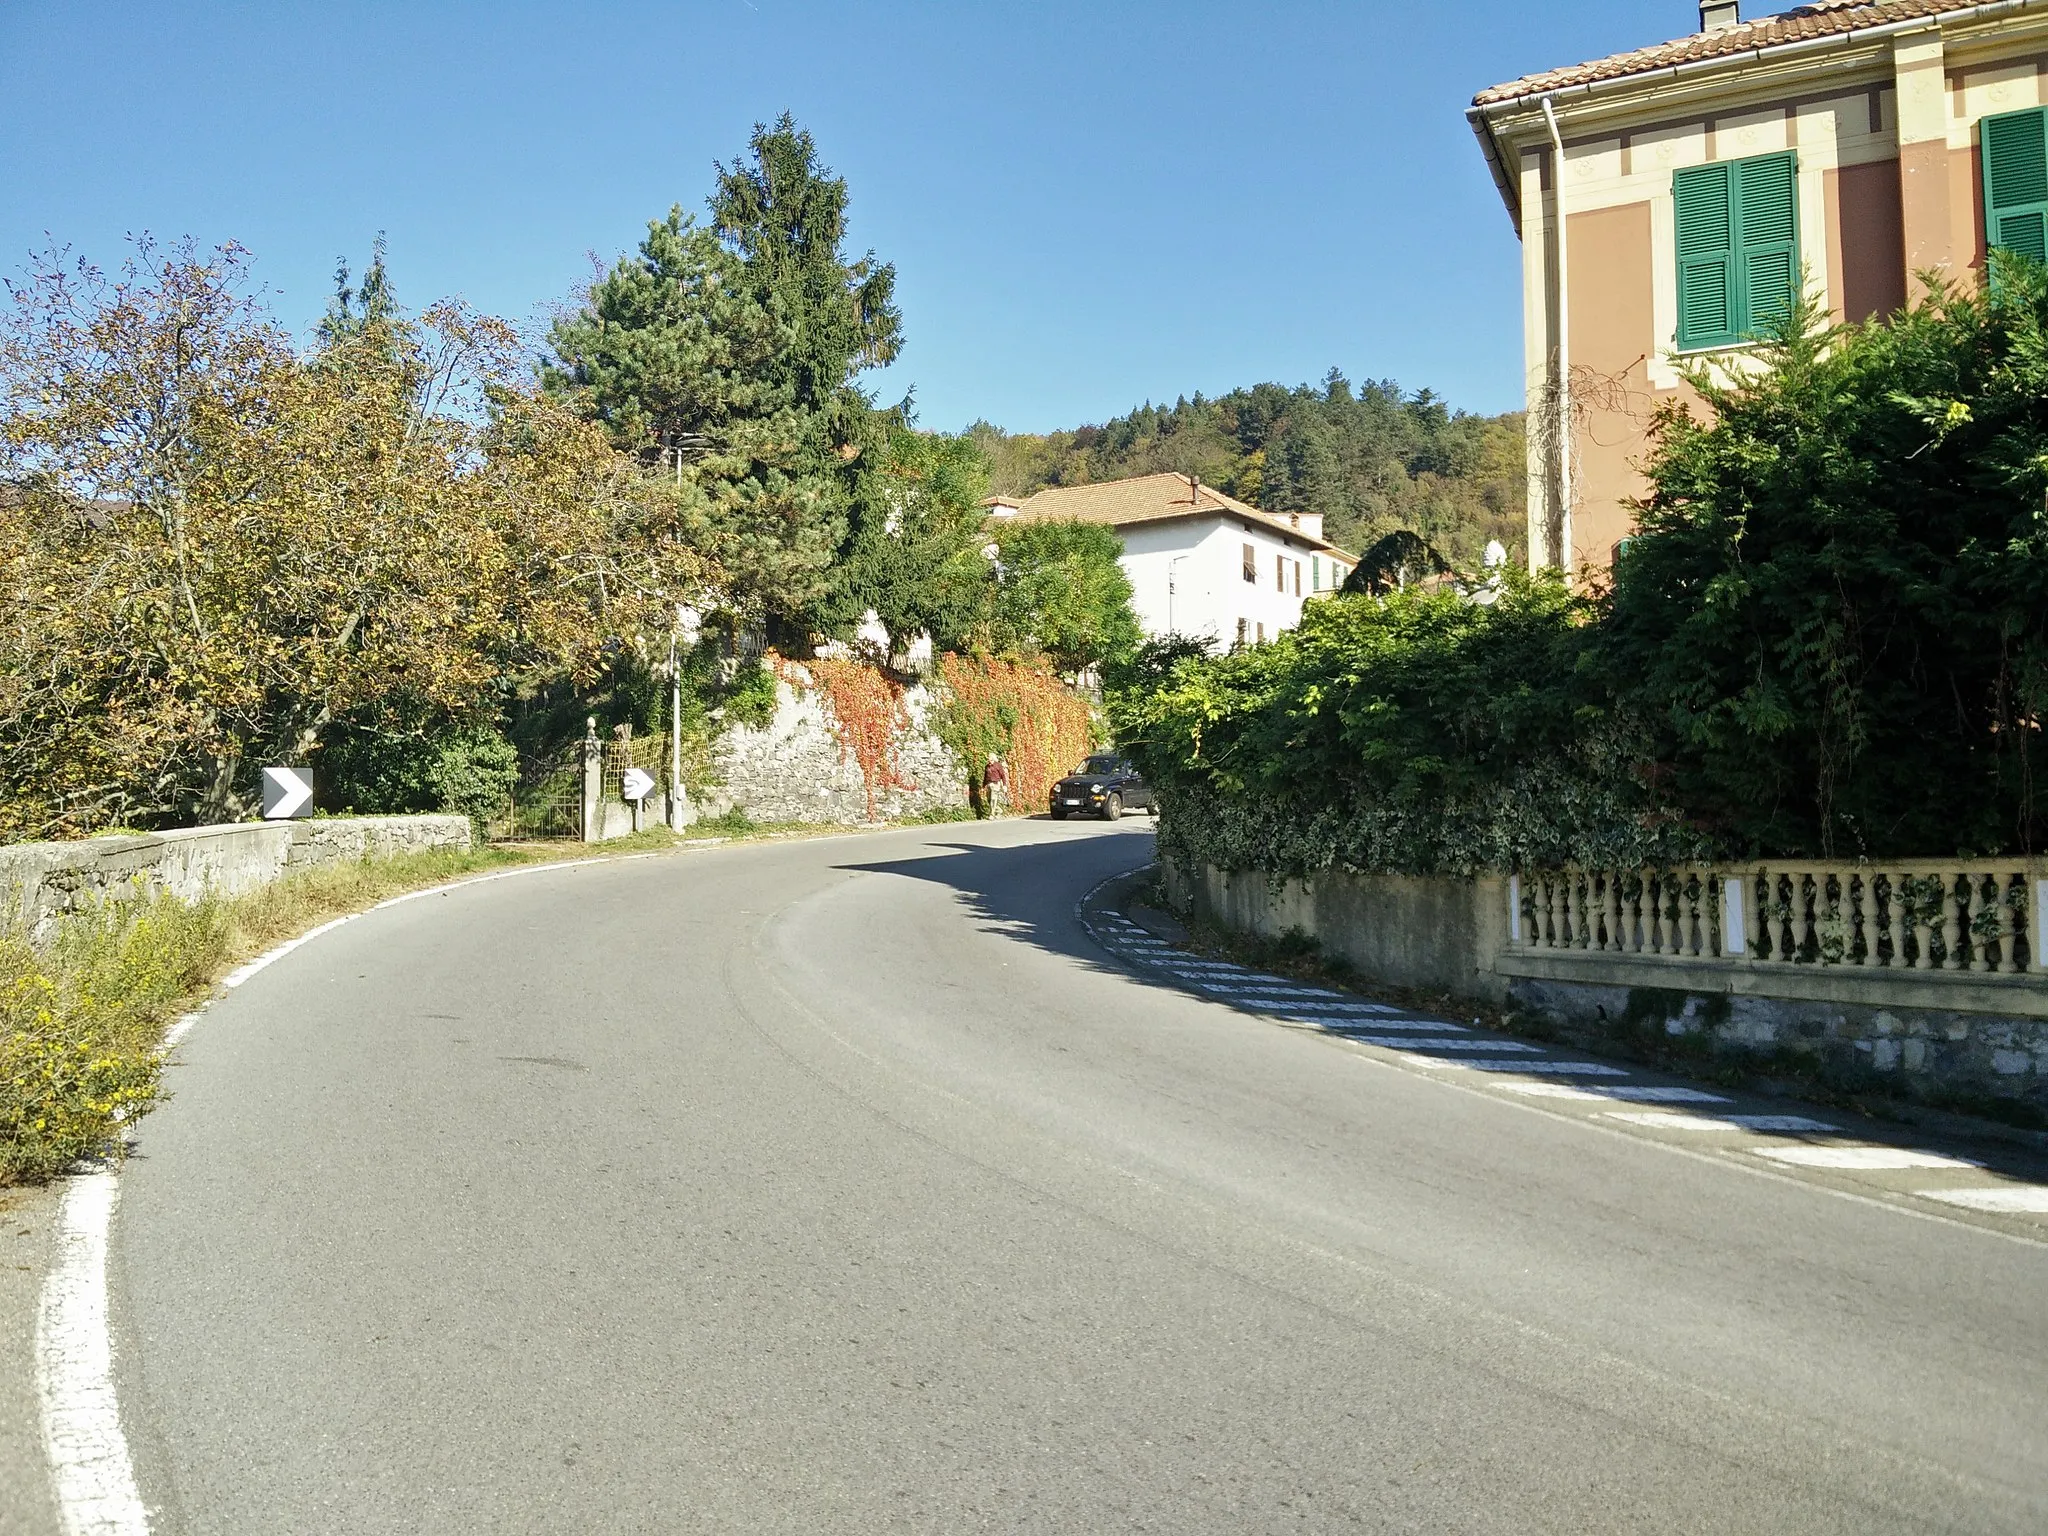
1057 813
1113 808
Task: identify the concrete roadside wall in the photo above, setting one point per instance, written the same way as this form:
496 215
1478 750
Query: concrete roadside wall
1918 1051
1437 935
40 882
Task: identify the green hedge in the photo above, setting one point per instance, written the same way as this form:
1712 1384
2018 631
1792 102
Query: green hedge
1827 638
1416 733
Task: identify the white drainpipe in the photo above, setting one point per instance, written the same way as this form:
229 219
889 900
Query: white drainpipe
1564 347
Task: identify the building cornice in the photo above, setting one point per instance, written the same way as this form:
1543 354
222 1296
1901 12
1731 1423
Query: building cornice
1731 81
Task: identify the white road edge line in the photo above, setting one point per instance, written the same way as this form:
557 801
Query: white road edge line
241 974
91 1472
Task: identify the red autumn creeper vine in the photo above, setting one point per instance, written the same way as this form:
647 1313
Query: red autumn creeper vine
867 714
1018 712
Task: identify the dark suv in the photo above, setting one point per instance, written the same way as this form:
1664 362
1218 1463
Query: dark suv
1104 786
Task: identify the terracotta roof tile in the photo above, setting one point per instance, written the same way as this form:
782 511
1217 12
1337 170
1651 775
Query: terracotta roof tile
1821 18
1149 499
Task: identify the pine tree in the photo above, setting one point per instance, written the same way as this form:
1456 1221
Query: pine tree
354 311
784 215
730 355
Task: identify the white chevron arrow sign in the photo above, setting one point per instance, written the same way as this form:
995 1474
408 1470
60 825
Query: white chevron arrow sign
639 784
287 792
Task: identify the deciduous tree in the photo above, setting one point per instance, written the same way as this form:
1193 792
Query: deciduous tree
1060 593
211 547
915 557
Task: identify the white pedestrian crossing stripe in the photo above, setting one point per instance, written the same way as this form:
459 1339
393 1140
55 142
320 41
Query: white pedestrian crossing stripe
1377 1026
1310 1010
1409 1043
2009 1198
1525 1066
1667 1120
1863 1157
1613 1091
1231 989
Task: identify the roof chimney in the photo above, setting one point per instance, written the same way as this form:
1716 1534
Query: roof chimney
1716 14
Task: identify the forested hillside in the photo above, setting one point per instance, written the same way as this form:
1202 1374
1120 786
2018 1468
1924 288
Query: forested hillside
1371 458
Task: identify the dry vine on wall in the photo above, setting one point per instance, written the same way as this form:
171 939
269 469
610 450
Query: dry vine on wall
867 713
1020 713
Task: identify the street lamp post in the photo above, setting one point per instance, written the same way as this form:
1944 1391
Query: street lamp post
678 808
1170 589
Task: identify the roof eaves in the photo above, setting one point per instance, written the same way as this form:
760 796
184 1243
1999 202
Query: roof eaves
1579 80
1804 27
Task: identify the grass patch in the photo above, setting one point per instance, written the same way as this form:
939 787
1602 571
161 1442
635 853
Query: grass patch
731 822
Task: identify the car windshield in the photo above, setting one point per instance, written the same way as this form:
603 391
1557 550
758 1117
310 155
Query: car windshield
1100 765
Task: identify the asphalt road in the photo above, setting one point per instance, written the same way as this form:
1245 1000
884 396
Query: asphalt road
850 1186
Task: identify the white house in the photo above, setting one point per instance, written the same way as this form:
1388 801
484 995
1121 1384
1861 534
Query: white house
1201 563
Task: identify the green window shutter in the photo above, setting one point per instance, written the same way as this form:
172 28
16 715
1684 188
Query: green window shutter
1767 221
1738 248
1707 315
2016 182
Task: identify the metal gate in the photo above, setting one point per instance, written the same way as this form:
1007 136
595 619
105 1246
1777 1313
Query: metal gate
547 801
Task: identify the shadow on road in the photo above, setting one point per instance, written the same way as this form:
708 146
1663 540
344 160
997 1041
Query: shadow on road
1029 892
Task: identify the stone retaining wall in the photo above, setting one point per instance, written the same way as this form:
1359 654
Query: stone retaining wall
794 768
1920 1052
40 882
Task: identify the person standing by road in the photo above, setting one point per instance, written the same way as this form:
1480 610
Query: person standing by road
997 778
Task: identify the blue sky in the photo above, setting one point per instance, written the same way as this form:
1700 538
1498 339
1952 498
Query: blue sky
1088 206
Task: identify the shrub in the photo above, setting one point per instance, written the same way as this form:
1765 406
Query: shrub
1414 733
750 697
375 771
474 774
733 821
79 1026
1835 615
63 1099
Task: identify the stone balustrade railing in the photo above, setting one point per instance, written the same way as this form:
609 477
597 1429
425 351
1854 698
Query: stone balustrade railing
1984 916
